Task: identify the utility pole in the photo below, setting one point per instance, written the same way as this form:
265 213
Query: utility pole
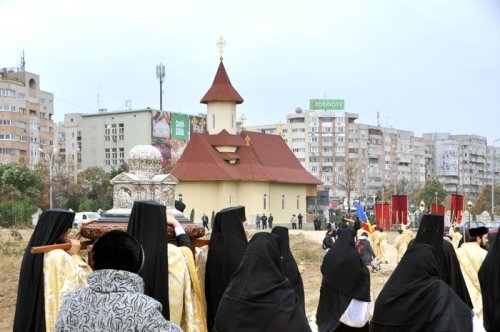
160 74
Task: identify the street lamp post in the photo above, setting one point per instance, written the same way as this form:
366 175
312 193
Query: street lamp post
469 208
493 180
367 187
49 158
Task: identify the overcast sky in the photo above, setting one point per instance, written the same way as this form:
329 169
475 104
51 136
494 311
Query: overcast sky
425 65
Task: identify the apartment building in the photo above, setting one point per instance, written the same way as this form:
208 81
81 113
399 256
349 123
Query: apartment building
104 139
462 163
26 112
345 154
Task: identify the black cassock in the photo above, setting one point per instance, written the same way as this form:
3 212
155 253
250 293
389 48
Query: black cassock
416 299
345 277
259 297
489 279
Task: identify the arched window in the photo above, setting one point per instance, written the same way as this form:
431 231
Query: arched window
32 84
298 202
230 199
213 120
180 197
282 202
265 201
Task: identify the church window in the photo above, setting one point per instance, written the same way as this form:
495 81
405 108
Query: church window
282 202
298 202
265 201
213 120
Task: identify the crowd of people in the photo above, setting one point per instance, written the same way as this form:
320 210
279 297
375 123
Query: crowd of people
138 281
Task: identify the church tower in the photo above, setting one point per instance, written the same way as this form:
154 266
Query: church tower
221 100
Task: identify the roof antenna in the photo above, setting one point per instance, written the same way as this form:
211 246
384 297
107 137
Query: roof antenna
23 62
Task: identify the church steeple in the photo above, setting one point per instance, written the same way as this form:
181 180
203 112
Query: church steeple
221 100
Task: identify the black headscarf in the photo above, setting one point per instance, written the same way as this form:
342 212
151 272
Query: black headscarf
416 299
489 276
117 250
345 277
228 243
289 267
148 224
431 232
259 297
30 307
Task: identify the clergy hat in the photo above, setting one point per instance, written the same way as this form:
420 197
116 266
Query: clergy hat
180 206
479 231
117 250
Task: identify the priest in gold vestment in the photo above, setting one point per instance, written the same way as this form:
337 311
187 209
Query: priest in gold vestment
46 278
470 256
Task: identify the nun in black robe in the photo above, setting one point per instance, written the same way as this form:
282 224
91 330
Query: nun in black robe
431 232
52 226
148 224
259 297
289 267
228 243
489 279
416 299
345 277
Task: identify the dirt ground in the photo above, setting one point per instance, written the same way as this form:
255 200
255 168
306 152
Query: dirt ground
305 245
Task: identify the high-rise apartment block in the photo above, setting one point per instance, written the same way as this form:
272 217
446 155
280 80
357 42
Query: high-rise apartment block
26 112
372 161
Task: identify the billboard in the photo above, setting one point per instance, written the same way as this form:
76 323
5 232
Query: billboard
180 127
447 158
161 136
197 124
326 104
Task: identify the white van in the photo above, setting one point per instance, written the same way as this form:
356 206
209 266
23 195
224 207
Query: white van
84 216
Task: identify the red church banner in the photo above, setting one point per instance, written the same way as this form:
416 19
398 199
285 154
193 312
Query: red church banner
457 208
399 213
382 215
438 209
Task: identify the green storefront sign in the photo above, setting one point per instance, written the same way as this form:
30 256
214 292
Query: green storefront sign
326 104
180 126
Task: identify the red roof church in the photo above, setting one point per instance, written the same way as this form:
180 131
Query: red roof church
222 168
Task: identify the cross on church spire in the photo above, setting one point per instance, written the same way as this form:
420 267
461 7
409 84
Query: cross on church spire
220 44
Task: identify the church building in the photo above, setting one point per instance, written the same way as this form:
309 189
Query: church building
223 167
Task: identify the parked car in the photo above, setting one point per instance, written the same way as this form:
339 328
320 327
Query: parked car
465 224
492 231
84 216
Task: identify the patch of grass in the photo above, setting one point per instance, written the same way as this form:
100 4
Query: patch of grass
12 245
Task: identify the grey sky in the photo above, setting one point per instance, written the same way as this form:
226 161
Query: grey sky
426 65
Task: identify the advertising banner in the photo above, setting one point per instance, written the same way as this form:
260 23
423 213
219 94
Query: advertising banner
326 104
160 132
447 158
180 126
197 124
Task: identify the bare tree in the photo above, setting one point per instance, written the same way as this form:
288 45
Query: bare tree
348 182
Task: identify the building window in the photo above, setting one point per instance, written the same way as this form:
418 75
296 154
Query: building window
121 131
282 202
298 202
122 153
230 199
265 201
213 120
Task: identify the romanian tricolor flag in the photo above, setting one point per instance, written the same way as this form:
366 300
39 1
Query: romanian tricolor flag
366 225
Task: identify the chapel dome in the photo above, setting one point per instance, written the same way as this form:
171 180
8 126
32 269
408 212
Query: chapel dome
145 159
